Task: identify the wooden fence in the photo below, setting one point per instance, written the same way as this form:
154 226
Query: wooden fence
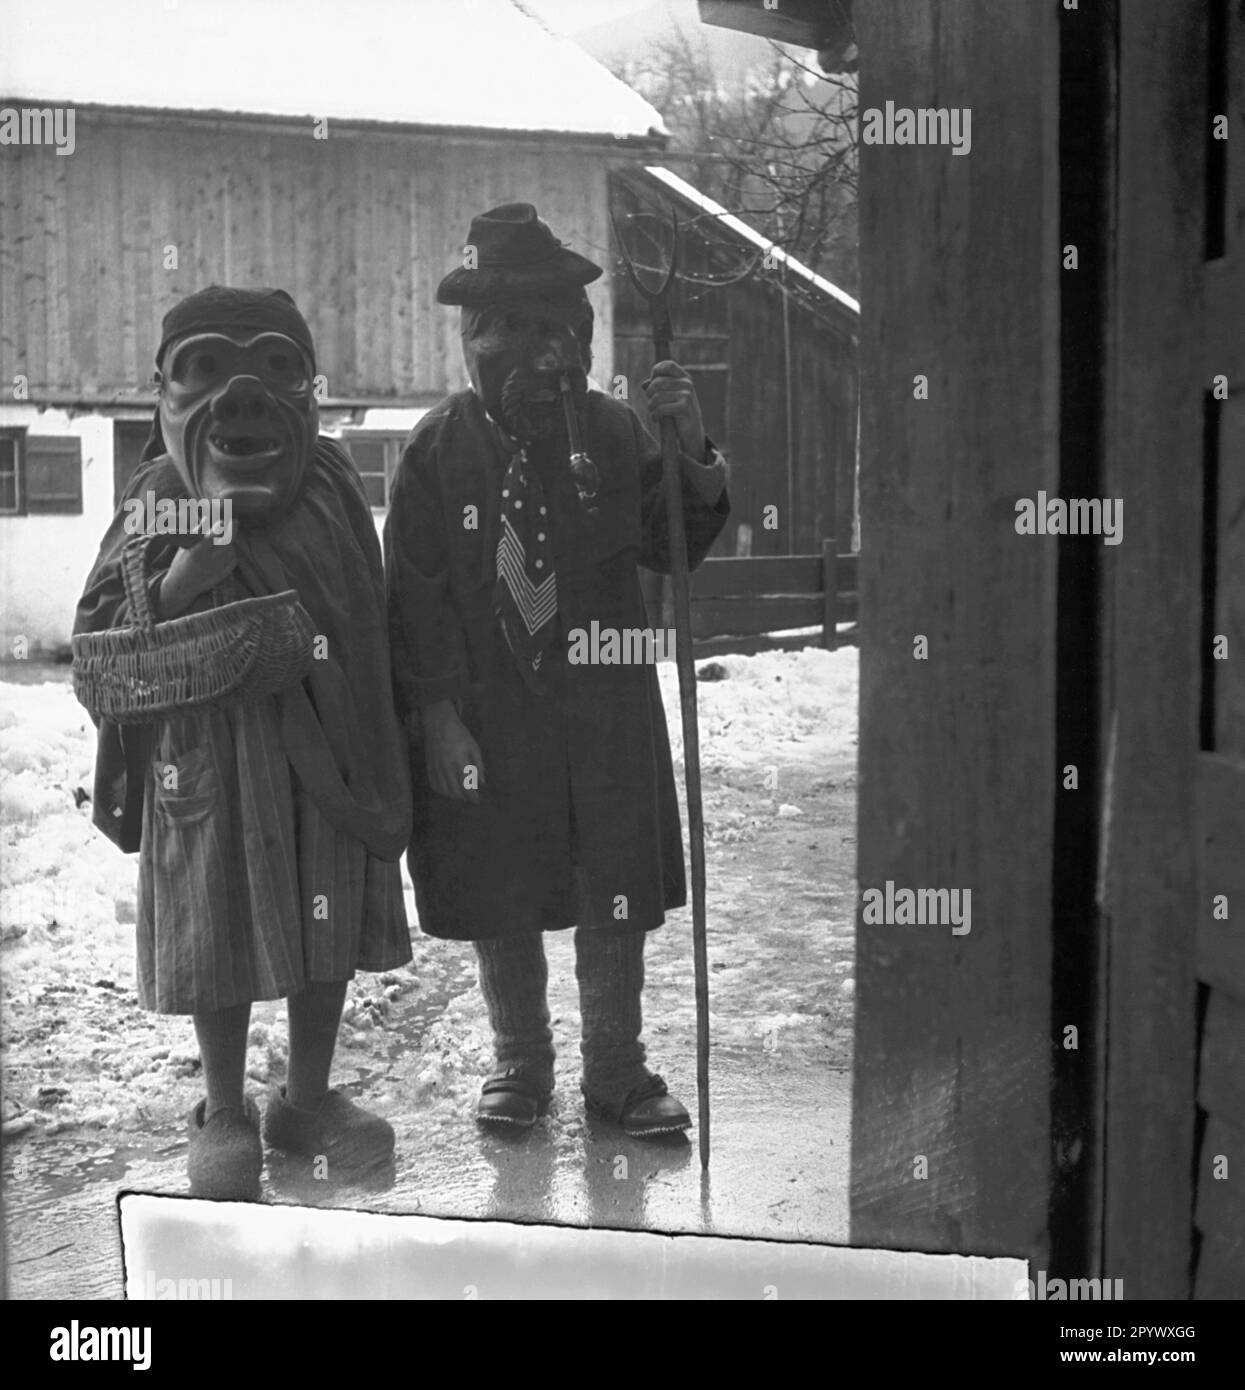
759 603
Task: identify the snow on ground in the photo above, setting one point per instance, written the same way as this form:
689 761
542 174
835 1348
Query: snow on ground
762 704
67 909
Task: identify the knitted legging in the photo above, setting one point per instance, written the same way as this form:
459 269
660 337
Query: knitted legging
609 966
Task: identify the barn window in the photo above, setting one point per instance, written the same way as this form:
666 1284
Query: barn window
10 472
376 455
40 473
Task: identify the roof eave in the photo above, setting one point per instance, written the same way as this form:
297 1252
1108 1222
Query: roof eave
648 143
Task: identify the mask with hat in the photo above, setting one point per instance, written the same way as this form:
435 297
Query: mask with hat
526 320
527 336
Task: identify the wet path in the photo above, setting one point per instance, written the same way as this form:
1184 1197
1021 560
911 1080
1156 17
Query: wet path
779 1169
415 1045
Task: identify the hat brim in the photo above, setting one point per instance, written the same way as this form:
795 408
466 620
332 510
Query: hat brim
566 270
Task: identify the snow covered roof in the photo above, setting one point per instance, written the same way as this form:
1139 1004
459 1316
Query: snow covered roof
482 64
683 189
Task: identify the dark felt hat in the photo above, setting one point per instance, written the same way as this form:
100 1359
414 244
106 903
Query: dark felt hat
514 253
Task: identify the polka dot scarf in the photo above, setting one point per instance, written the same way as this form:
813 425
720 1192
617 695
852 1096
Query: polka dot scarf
526 598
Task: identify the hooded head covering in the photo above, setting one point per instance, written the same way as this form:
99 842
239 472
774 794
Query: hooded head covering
239 313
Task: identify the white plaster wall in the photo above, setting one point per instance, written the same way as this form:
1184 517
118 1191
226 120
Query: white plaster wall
44 560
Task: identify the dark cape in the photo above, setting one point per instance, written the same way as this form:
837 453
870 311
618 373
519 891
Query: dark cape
577 778
339 728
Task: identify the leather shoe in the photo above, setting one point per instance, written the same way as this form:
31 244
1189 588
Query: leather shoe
647 1110
513 1098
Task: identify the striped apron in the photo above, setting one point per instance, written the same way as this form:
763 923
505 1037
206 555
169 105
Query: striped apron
245 890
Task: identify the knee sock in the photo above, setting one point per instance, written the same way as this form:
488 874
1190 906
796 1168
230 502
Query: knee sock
315 1013
222 1046
513 978
609 965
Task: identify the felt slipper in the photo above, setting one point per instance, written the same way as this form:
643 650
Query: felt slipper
226 1157
348 1137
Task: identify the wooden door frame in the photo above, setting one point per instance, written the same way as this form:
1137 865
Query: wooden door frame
951 1127
1154 459
950 1063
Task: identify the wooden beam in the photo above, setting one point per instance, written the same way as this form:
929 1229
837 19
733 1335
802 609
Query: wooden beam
1221 1079
830 594
1221 1212
769 613
766 642
951 1123
1221 873
731 576
1152 582
1221 776
758 574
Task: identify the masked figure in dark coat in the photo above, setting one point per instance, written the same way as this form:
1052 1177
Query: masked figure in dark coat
269 831
544 789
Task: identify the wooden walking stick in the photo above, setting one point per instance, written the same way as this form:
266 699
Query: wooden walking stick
681 586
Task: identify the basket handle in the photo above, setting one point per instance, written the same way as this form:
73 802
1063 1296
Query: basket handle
134 577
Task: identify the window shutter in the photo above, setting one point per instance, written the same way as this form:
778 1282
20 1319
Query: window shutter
53 474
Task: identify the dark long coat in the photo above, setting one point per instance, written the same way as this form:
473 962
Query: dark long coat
582 775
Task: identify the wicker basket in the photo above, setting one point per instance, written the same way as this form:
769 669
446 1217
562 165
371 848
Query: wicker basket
234 652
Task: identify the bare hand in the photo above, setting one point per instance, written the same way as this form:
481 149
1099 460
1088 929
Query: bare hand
195 570
451 755
671 395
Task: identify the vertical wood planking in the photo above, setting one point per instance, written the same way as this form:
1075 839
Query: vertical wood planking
84 238
959 271
105 297
32 265
830 592
60 270
1230 552
1152 580
12 323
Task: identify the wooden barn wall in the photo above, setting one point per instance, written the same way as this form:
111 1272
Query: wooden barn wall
822 369
951 1104
736 331
358 227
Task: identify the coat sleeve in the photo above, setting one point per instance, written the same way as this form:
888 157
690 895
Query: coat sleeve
706 505
426 635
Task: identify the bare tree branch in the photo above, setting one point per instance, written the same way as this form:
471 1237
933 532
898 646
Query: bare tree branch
775 145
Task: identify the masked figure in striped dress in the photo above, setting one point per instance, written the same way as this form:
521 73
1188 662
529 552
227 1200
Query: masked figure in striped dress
268 831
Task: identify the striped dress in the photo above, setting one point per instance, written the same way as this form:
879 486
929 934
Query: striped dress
269 831
246 891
